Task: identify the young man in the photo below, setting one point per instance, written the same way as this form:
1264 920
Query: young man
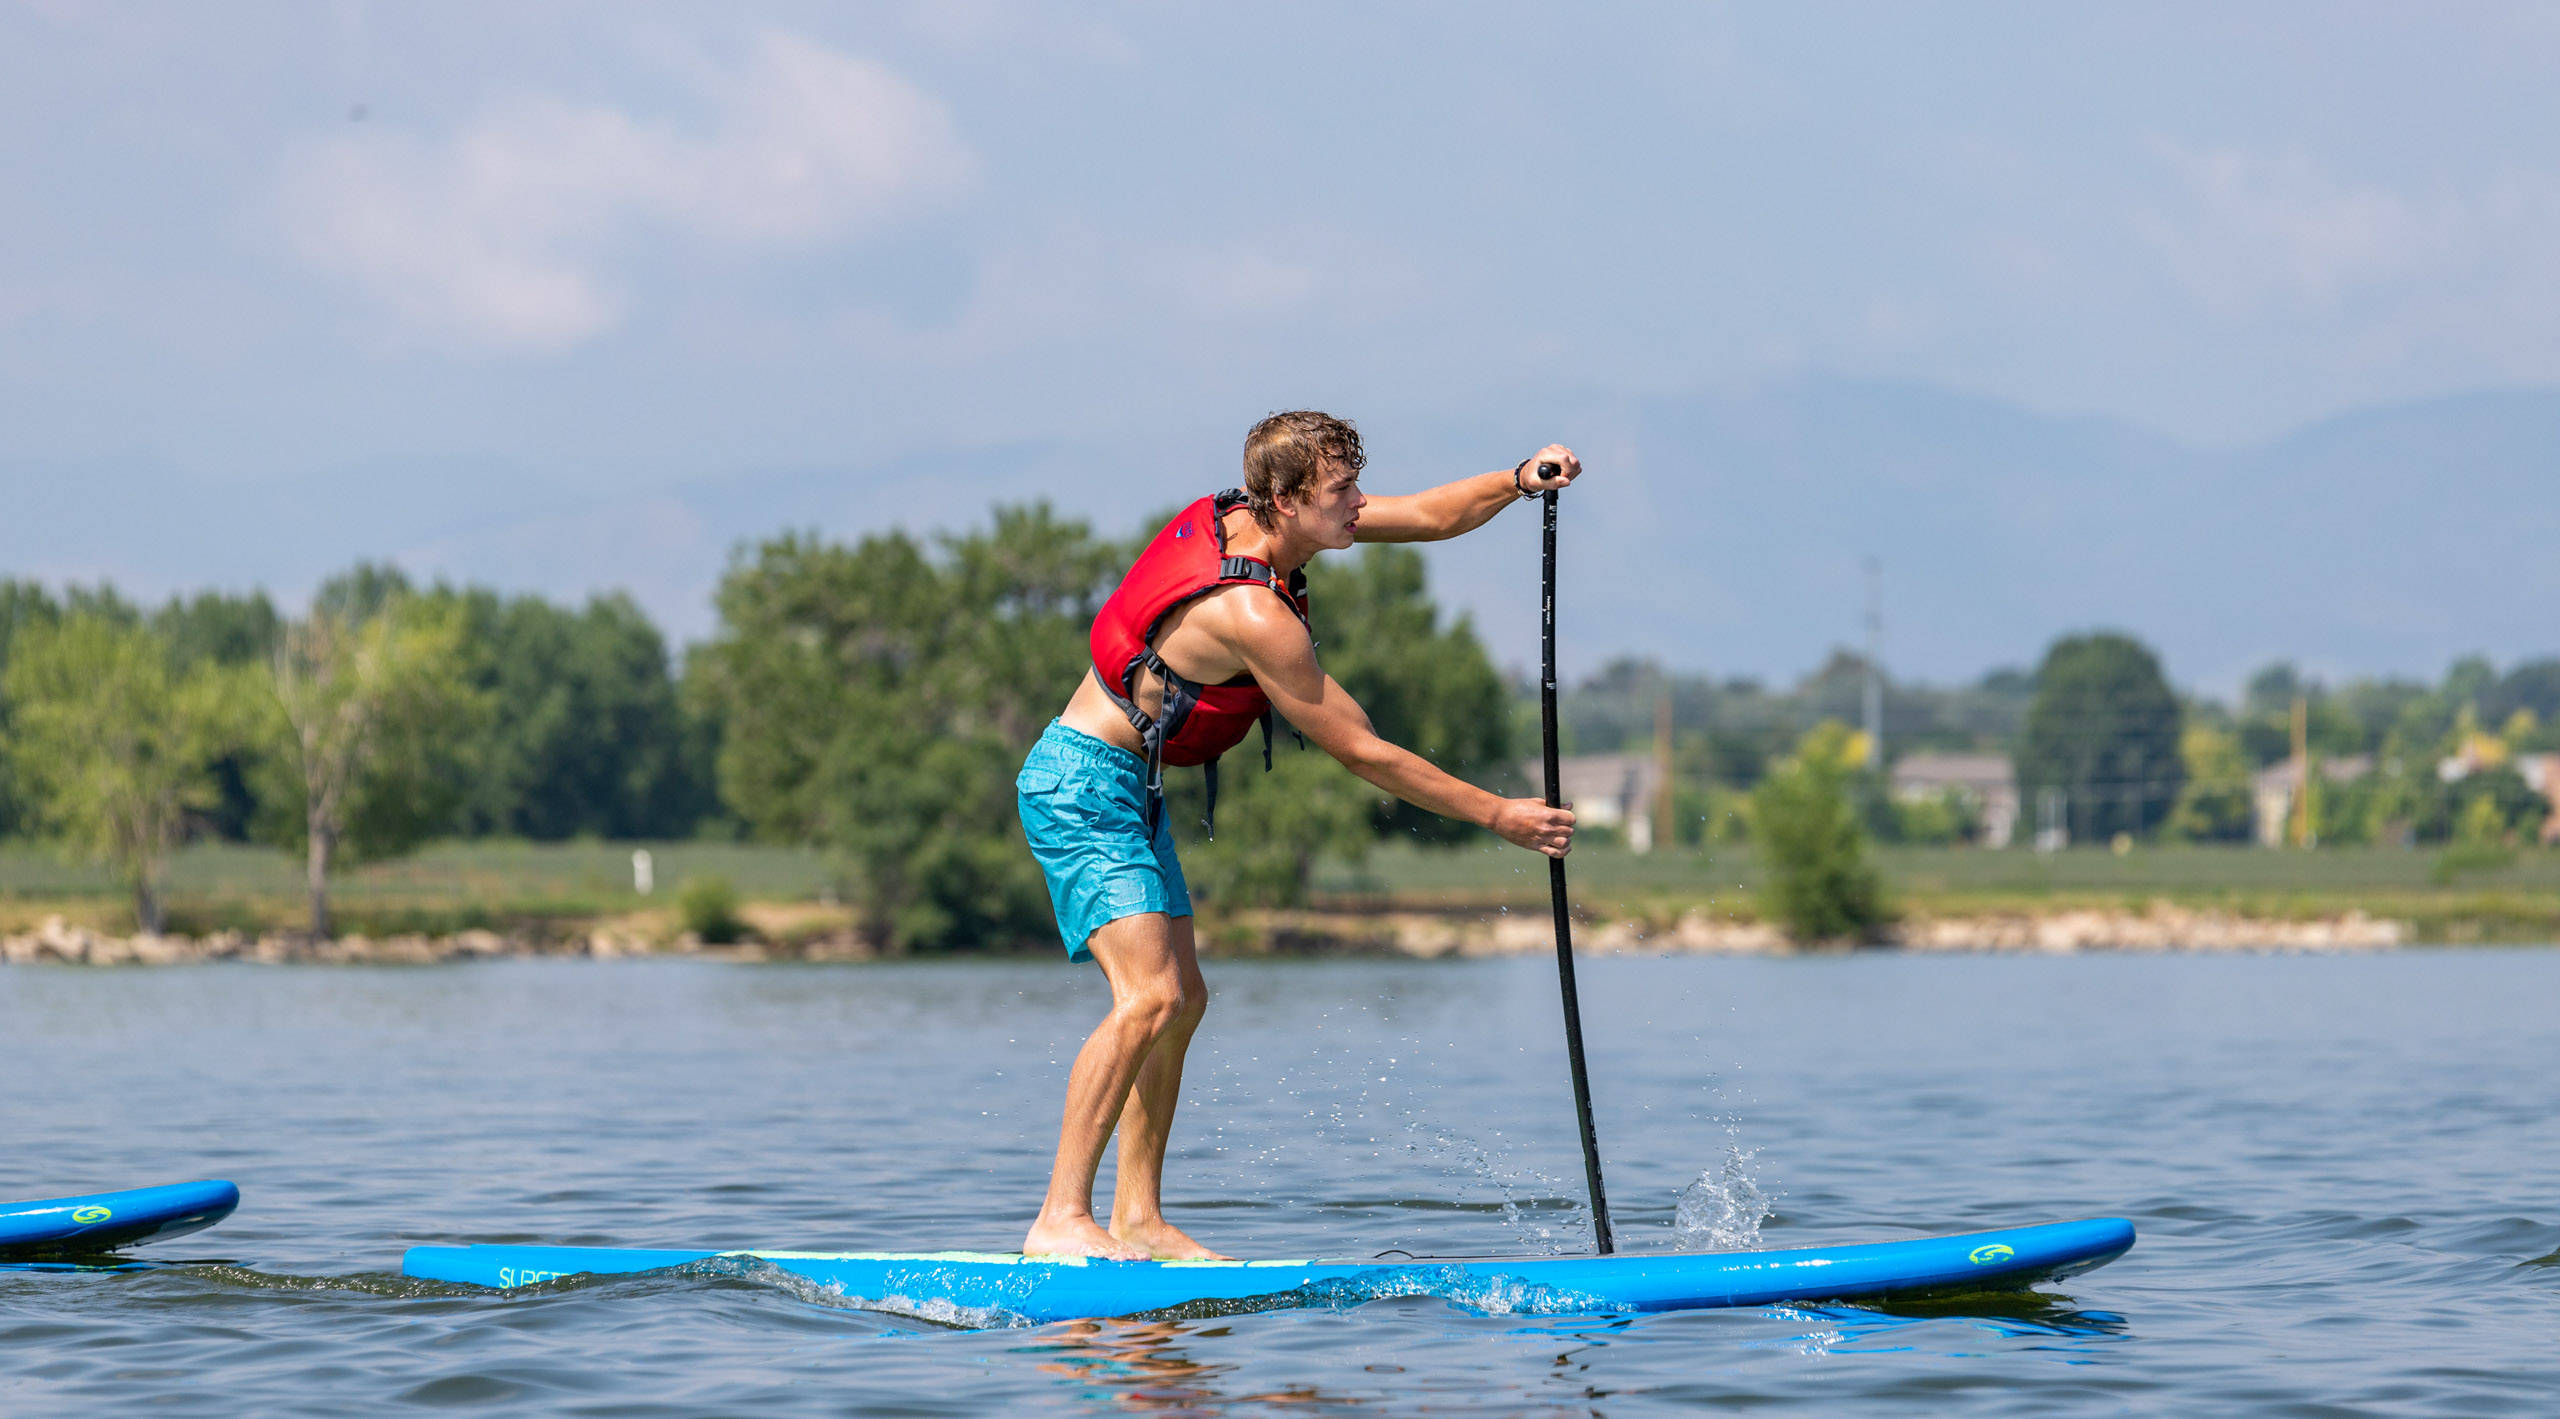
1204 638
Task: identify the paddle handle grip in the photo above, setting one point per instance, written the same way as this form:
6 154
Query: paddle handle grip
1547 642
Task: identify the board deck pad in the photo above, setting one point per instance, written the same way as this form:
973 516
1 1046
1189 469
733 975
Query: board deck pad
995 1288
104 1221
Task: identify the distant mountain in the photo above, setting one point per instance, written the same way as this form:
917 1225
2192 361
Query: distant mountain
1721 532
2400 536
1726 532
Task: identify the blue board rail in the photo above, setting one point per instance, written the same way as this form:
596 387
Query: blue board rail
103 1221
1000 1287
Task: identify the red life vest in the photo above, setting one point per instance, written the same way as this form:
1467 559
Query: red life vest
1196 723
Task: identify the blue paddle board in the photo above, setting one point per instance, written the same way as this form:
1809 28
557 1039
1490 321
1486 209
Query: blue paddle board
989 1288
104 1221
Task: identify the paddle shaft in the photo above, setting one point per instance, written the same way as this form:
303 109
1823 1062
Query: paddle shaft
1555 885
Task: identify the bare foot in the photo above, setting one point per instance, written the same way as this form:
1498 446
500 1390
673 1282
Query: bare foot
1165 1241
1078 1236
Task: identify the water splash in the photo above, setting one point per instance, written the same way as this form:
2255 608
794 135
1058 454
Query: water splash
1482 1295
1475 1294
1521 1189
1723 1209
933 1310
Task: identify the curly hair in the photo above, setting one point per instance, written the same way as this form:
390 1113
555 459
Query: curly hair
1283 454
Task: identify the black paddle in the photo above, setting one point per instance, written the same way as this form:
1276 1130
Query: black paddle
1555 885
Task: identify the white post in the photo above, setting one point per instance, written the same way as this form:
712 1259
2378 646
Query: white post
2053 820
644 872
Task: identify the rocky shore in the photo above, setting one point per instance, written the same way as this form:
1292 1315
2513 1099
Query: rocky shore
57 943
2162 927
1426 935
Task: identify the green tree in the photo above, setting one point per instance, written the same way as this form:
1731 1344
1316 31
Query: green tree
2532 687
2214 803
2374 706
2346 813
1821 884
585 732
877 701
1936 820
2468 681
218 628
116 747
370 707
2337 724
23 606
2491 804
1728 732
2104 731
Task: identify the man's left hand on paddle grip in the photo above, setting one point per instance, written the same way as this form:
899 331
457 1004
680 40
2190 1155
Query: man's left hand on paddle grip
1535 477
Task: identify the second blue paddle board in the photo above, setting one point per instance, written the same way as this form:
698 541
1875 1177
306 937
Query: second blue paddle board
103 1221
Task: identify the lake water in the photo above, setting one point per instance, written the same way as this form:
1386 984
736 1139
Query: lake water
2344 1169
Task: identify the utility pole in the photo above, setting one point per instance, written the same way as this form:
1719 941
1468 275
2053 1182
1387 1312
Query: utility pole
1662 823
2301 830
1875 659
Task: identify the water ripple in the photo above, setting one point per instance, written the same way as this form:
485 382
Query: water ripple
2339 1167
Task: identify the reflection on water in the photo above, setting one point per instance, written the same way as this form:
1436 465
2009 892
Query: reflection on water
1155 1366
70 1267
1142 1367
1954 1325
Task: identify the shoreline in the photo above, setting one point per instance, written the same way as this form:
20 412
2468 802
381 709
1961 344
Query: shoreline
2162 928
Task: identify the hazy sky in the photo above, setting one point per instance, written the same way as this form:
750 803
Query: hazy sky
592 247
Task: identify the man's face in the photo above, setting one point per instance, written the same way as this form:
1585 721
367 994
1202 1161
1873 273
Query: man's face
1330 512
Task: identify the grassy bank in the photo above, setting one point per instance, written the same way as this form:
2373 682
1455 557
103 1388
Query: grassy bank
2514 900
449 887
549 888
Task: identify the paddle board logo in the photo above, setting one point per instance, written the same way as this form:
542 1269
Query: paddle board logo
86 1215
1984 1256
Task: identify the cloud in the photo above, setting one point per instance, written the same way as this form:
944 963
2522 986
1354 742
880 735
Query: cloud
501 234
2252 232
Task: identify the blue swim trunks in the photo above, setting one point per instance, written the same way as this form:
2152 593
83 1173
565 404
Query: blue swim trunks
1084 808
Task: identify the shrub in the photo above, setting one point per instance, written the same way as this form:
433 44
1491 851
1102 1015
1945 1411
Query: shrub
1937 820
709 906
1821 884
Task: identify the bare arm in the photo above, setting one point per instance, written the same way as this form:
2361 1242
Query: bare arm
1436 514
1276 650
